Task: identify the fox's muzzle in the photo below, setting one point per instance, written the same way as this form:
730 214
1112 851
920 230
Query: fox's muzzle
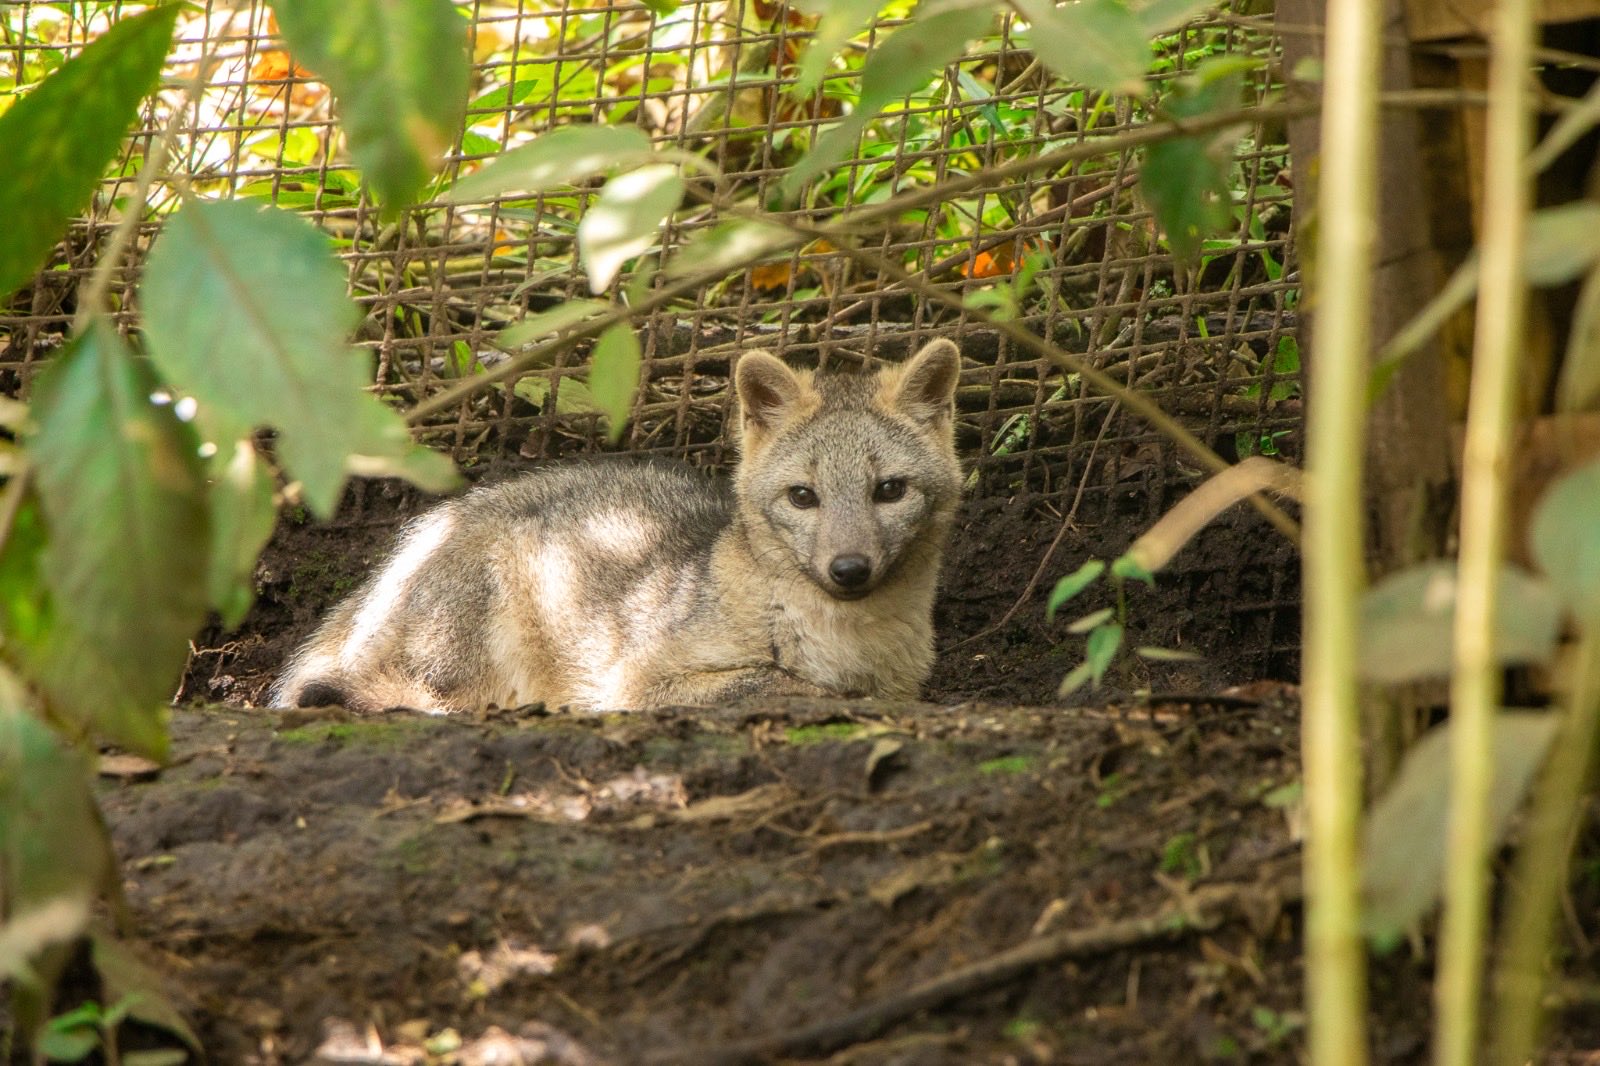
850 576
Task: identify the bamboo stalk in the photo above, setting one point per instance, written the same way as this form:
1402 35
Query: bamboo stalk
1543 862
1335 419
1475 680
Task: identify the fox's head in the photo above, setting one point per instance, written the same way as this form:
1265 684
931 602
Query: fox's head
847 476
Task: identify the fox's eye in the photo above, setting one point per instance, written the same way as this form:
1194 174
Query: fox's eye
802 496
888 490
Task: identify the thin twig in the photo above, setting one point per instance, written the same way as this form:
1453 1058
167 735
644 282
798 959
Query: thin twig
1206 908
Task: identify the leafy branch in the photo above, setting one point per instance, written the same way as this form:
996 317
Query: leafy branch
535 169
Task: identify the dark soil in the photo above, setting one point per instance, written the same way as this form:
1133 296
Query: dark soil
687 887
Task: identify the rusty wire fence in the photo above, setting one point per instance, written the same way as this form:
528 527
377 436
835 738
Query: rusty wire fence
713 78
1071 253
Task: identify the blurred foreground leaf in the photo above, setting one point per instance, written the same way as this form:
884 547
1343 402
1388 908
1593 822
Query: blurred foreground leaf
725 246
400 71
1407 622
1565 535
242 516
125 560
279 358
1405 837
55 856
625 219
1099 44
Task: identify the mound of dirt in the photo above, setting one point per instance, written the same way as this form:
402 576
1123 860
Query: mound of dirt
920 884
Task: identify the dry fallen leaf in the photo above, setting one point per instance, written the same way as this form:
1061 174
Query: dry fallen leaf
128 767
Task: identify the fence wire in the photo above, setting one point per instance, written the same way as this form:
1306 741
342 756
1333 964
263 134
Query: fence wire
1071 253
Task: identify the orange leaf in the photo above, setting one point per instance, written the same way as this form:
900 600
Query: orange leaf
770 275
506 242
983 265
1001 259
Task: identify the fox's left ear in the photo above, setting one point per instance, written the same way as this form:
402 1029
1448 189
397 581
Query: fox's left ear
925 386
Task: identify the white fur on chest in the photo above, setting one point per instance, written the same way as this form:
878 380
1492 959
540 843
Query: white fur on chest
874 648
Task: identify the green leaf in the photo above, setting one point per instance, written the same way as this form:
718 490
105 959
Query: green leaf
837 22
1071 585
547 324
1129 569
726 246
1407 622
1104 643
1457 291
1563 242
1405 837
1167 655
55 856
27 615
59 139
1091 620
1565 536
1076 678
907 60
242 517
1099 44
1185 180
71 1042
624 219
286 363
1001 303
1162 16
564 156
572 398
1579 385
400 71
614 376
380 445
128 980
662 8
121 492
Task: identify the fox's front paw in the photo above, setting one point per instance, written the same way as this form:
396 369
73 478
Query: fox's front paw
787 684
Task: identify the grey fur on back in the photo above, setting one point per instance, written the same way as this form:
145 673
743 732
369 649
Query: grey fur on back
617 584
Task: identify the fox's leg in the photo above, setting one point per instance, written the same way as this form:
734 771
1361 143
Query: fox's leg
717 686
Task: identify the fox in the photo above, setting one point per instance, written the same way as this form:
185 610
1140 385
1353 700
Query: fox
605 584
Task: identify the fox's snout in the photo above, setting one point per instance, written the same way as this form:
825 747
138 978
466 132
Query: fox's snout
851 576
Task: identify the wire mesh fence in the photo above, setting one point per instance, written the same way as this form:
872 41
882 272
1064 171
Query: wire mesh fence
714 78
1070 253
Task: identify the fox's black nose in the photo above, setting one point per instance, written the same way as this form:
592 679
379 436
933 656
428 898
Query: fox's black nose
850 571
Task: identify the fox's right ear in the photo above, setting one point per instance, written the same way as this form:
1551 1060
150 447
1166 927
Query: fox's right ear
770 394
